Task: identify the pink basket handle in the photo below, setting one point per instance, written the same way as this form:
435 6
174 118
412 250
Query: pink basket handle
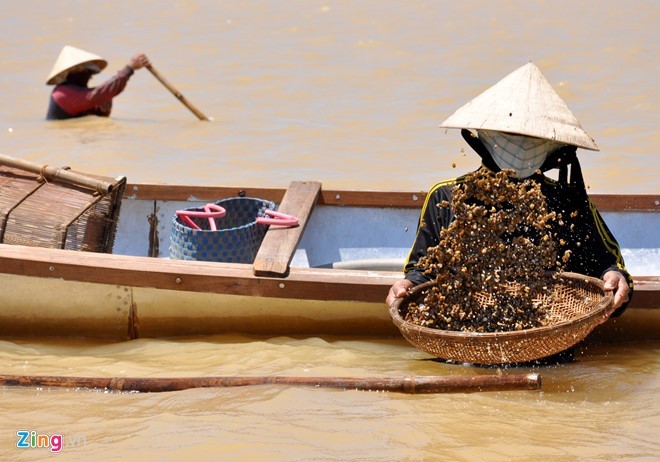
218 212
277 218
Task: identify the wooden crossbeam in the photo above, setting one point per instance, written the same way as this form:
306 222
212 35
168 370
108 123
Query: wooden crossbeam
279 244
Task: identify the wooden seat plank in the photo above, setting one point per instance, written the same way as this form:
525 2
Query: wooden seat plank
280 243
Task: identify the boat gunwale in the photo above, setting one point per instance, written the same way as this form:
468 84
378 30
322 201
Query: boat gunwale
194 276
646 203
226 278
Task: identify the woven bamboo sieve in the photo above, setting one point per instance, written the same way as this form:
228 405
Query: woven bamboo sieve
66 210
575 303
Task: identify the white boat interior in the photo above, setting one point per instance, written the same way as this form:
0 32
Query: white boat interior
369 238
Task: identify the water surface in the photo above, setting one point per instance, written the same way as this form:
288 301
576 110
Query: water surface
349 94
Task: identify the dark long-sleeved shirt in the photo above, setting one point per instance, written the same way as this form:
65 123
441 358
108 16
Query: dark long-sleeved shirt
68 100
594 250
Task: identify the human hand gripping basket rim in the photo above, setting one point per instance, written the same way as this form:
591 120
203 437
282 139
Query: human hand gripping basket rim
583 305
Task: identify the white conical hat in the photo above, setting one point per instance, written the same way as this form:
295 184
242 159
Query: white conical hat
71 57
523 103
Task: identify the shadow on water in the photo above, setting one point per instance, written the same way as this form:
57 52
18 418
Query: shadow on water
564 357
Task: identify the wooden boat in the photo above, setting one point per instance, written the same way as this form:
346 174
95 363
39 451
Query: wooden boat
328 276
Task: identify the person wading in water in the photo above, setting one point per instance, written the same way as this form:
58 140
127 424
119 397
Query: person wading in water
71 73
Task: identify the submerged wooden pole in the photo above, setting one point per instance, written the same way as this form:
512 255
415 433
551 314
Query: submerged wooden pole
410 385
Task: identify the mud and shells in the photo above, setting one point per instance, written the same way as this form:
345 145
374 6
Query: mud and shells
494 259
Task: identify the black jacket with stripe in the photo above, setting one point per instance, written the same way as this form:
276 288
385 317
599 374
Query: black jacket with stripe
594 249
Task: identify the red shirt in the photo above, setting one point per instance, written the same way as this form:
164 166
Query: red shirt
69 100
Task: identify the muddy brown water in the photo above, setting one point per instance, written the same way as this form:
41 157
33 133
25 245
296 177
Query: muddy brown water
320 90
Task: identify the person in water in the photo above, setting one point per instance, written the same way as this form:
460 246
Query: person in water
72 97
522 124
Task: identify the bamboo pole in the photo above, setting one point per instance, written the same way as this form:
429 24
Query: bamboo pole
409 385
57 173
176 93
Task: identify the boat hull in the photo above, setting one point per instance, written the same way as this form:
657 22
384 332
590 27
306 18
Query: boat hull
63 308
338 270
62 293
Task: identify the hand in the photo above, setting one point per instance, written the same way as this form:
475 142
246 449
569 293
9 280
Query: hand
398 290
138 61
617 282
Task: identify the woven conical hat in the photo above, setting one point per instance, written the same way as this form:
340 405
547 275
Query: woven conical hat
71 57
523 103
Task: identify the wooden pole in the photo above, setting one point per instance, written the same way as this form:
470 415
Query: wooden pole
57 173
409 385
176 93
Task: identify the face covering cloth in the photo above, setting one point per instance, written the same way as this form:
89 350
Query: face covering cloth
524 154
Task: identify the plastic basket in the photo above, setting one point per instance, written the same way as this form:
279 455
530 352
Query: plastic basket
236 239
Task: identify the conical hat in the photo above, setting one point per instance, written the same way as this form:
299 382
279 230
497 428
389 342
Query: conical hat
71 57
523 103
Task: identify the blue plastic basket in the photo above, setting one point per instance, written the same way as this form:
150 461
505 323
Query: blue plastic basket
236 240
